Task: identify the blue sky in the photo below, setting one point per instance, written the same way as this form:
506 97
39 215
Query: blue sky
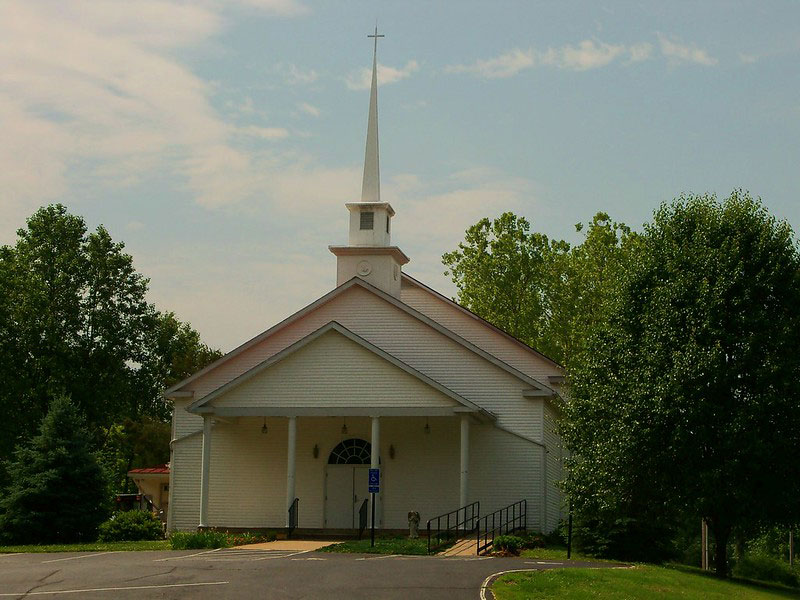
220 140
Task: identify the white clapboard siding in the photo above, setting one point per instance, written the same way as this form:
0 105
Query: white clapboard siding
504 469
184 423
478 332
406 338
555 504
334 371
184 491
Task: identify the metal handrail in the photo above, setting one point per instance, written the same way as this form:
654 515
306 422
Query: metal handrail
293 516
362 517
466 515
505 520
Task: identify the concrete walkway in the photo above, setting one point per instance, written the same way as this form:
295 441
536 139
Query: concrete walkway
299 545
463 547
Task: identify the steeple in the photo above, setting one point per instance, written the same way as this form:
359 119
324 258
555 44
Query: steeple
371 184
369 253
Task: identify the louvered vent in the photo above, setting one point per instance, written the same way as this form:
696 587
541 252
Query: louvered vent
367 220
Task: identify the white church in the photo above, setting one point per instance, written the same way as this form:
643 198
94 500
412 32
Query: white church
381 372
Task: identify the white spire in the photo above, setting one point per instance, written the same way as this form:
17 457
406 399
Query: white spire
371 185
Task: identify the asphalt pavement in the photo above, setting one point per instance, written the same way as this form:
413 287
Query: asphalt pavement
253 574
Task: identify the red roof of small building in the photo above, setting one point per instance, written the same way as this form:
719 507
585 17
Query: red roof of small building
159 469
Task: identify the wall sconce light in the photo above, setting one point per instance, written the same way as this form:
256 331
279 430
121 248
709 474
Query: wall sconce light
315 451
264 426
344 426
427 428
391 451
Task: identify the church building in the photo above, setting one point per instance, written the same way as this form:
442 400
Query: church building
382 372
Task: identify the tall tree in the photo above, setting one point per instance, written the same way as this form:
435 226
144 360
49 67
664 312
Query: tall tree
74 320
57 490
686 399
544 292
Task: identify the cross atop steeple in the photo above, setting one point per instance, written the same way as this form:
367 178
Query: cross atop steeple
371 184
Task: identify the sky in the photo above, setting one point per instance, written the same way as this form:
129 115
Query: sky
220 139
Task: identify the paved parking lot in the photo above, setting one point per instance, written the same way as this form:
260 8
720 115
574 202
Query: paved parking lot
250 573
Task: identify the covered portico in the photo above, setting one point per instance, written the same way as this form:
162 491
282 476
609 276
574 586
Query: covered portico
309 421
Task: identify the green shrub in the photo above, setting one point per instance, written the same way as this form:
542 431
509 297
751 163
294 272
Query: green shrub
131 526
532 539
182 540
248 537
508 543
766 568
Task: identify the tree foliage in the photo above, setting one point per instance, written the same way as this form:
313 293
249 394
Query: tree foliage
57 491
685 400
74 320
543 292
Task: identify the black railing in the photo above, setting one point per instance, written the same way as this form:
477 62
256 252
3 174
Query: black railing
511 518
293 516
450 526
362 517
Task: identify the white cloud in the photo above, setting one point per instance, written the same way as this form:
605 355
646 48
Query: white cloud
505 65
283 8
309 109
362 80
106 90
678 53
297 76
264 133
587 54
640 52
748 59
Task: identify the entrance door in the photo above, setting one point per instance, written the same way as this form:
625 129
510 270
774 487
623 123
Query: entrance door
345 490
346 483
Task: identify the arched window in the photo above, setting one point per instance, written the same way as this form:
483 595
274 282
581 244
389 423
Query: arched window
351 452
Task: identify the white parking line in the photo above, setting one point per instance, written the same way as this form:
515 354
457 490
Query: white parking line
88 555
285 555
187 555
15 554
117 589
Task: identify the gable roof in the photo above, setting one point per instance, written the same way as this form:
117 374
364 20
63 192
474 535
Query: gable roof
466 405
479 319
540 388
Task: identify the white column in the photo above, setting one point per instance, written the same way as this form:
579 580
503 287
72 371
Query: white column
464 479
204 471
291 454
374 462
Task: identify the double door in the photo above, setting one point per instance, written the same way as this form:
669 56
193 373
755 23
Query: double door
345 490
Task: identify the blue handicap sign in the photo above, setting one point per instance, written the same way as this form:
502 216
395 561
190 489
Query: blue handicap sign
374 481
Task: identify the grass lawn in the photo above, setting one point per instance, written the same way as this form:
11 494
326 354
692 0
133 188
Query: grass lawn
641 582
90 547
383 545
557 553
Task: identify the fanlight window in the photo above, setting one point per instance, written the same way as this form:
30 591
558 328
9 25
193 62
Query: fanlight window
351 452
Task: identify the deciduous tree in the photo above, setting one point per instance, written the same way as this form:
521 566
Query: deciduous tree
686 398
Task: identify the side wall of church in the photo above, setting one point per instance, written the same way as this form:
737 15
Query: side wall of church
555 468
